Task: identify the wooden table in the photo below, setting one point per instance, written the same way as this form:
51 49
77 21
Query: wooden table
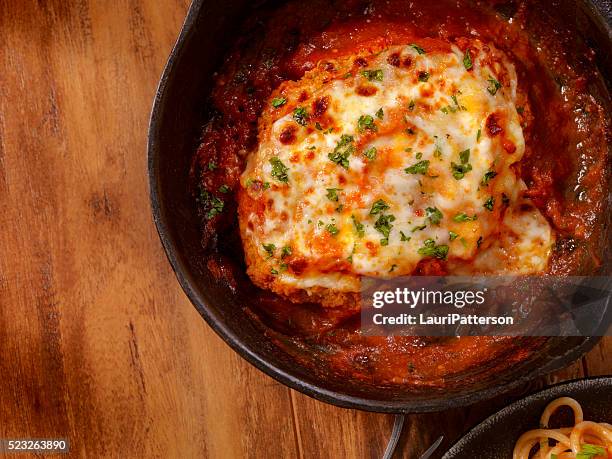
97 341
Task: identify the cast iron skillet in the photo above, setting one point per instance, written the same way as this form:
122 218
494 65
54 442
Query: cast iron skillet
175 126
494 438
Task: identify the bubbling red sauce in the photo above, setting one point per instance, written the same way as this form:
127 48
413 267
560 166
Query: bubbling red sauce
565 166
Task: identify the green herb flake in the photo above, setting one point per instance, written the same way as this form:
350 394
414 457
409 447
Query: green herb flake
286 252
589 451
418 228
269 248
418 168
332 229
344 149
417 48
490 174
212 165
419 155
434 216
478 135
300 115
489 204
494 85
358 226
370 153
452 235
463 217
274 272
224 189
318 126
520 110
380 114
366 122
383 226
332 194
216 207
459 170
373 75
430 249
378 207
279 170
467 60
278 102
403 237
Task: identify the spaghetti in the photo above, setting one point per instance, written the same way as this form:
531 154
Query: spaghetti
584 440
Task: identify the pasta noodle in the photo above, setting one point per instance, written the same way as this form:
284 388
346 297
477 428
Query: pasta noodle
584 440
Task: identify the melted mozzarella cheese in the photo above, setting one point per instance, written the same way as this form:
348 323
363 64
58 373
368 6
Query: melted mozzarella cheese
370 164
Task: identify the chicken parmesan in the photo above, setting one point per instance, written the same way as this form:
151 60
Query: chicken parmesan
376 139
375 163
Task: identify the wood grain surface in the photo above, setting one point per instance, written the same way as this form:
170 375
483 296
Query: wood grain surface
98 343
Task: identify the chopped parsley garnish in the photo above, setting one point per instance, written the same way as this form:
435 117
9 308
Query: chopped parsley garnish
366 122
212 165
332 229
279 170
589 451
419 168
380 114
459 170
332 194
274 271
373 75
478 134
452 235
344 149
383 226
456 107
489 204
370 153
419 155
424 76
269 248
463 217
467 60
411 105
494 85
430 249
278 102
487 177
300 115
418 228
403 237
434 216
378 207
216 207
286 251
438 150
358 226
318 126
520 110
417 48
224 189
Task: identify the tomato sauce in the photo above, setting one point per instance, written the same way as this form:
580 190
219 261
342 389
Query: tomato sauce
565 167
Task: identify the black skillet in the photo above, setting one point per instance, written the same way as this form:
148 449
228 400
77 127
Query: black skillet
176 122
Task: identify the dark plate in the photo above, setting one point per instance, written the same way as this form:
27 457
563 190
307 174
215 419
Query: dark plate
494 438
175 126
